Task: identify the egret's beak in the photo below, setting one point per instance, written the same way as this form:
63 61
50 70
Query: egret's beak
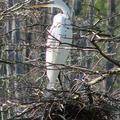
41 4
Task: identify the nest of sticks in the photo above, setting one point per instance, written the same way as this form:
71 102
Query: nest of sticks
83 104
90 106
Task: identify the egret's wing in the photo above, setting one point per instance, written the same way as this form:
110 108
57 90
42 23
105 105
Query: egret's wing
58 41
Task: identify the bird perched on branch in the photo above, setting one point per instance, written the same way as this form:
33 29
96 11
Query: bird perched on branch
58 41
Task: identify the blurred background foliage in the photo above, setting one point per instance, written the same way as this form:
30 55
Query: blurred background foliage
94 58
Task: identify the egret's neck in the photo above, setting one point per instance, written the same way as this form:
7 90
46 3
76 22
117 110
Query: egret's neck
65 9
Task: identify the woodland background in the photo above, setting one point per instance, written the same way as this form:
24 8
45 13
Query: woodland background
94 60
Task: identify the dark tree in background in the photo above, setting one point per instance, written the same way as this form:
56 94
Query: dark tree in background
111 45
92 71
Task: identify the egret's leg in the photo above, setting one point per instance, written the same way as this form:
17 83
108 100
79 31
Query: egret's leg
60 80
52 75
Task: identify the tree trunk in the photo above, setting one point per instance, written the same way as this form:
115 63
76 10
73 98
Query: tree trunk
110 45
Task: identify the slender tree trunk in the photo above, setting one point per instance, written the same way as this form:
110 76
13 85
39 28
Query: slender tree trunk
110 45
91 21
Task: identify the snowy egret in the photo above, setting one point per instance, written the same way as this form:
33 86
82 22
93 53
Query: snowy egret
58 41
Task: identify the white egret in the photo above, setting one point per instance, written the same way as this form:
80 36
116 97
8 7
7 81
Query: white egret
59 39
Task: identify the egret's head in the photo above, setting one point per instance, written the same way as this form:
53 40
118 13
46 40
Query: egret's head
50 3
53 3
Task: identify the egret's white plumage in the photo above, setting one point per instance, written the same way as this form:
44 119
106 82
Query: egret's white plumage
59 38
